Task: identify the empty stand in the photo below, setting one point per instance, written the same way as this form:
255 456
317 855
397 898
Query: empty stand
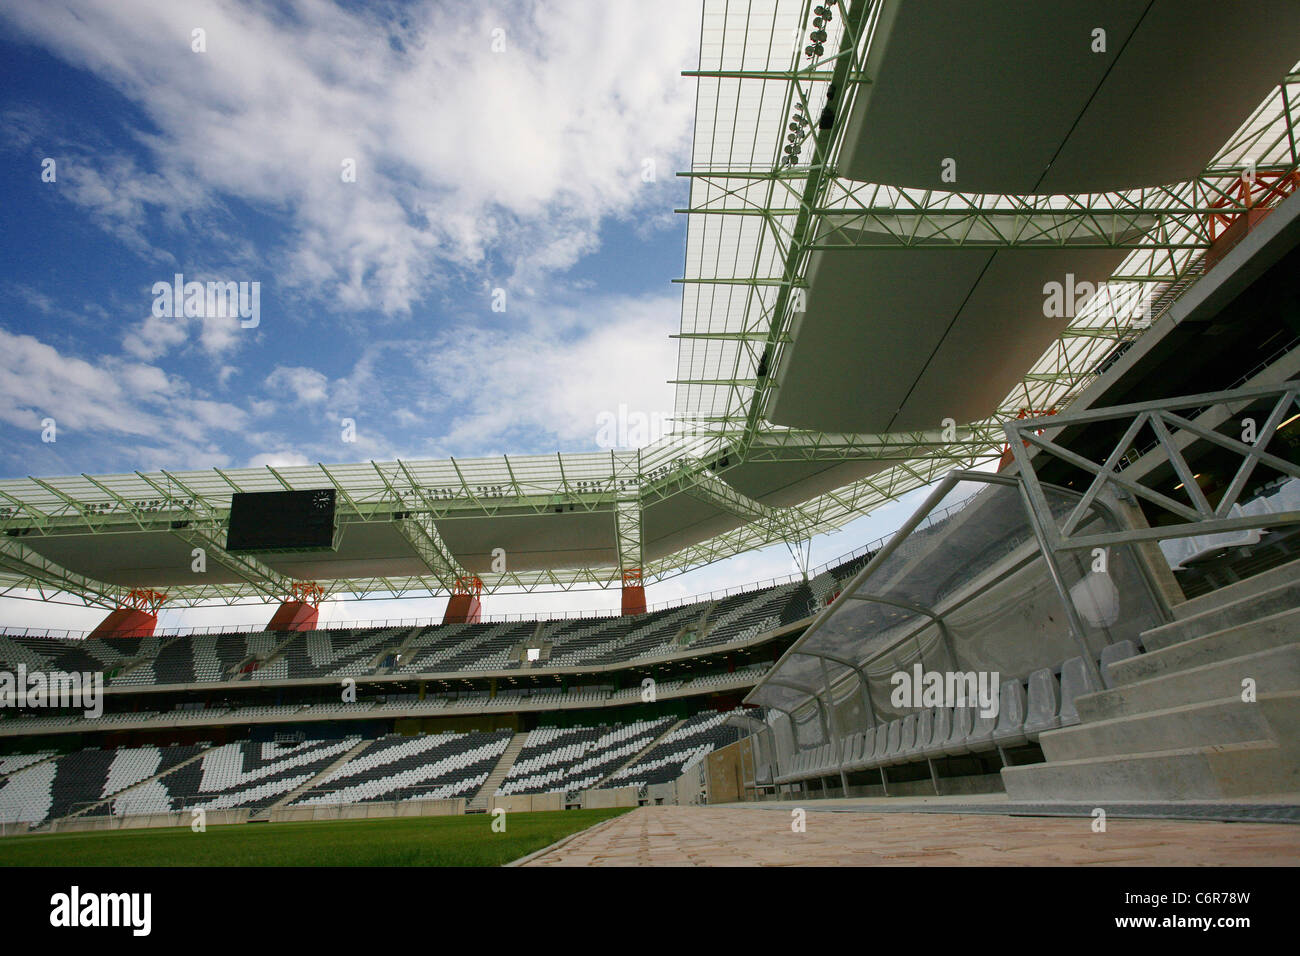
85 655
329 654
696 737
246 775
576 758
75 781
426 767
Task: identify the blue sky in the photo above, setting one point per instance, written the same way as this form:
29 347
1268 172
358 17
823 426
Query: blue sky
524 147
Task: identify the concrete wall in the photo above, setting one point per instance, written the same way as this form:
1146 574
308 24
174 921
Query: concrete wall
691 786
212 818
661 793
527 802
370 811
184 818
617 797
725 772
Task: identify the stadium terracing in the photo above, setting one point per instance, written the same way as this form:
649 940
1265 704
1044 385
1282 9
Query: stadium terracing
921 238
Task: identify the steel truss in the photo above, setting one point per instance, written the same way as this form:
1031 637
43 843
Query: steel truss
755 223
1175 424
761 220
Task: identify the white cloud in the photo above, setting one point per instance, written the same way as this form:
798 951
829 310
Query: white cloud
555 376
216 336
305 386
117 195
278 459
109 396
155 337
460 151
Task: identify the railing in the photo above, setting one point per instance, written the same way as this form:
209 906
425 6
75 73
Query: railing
1135 455
1168 419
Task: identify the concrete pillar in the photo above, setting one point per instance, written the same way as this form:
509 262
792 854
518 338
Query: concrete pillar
126 622
136 615
633 592
294 615
463 609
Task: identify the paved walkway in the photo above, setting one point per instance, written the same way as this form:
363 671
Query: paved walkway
725 836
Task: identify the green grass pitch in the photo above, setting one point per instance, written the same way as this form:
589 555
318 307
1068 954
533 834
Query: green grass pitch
403 841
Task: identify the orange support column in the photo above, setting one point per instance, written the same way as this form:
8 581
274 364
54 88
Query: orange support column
1007 456
301 611
633 592
1258 193
464 606
137 616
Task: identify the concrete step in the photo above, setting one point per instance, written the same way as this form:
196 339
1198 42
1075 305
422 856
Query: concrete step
499 771
1275 630
639 754
1241 590
83 811
1222 616
1248 768
319 777
1228 720
399 651
1274 670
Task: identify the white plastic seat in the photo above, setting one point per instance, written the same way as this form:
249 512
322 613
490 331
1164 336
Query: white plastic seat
834 754
1074 684
862 760
906 739
818 763
866 740
859 749
801 768
881 746
868 747
939 734
924 734
1010 731
789 770
1043 704
961 728
980 737
846 747
894 742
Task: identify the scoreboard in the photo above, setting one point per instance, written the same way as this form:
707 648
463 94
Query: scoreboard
263 521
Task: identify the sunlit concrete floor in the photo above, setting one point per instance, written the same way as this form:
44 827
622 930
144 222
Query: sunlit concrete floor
768 835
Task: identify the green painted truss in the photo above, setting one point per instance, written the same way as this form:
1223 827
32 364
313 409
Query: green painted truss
753 223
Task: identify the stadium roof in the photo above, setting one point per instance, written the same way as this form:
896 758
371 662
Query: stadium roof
853 326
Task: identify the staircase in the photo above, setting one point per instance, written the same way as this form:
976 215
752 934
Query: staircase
265 812
83 811
1174 725
639 754
507 760
376 663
